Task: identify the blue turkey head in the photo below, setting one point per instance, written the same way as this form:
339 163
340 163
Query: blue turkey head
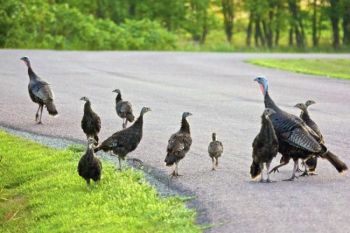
263 84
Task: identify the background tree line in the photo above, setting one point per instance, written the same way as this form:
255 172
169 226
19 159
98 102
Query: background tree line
174 24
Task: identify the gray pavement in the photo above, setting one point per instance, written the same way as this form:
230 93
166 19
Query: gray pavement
219 90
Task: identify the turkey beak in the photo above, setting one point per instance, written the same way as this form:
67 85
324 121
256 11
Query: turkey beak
24 61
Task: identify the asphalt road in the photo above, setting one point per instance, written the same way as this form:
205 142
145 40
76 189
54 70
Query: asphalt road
219 90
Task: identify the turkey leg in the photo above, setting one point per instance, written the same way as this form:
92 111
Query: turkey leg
37 114
41 113
294 171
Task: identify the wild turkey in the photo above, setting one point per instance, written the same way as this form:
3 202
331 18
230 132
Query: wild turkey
125 141
304 115
89 166
123 109
91 122
310 163
265 147
179 144
40 93
296 139
215 150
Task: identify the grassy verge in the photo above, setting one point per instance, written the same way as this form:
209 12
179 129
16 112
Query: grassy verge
40 191
334 68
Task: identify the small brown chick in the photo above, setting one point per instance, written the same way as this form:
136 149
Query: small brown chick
215 150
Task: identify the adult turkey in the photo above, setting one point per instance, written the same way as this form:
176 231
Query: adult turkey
265 147
125 141
40 93
305 116
179 144
215 150
296 139
90 167
310 163
123 109
91 122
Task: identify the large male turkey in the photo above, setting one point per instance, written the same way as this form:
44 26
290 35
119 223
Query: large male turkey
215 150
179 144
39 92
265 147
90 167
123 109
125 141
91 122
296 139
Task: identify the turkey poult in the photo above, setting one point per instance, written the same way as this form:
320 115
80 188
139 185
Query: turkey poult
215 150
265 147
179 144
304 115
125 141
123 109
296 140
40 93
91 122
89 166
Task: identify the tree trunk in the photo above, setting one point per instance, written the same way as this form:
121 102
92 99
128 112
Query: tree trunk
334 17
277 36
335 29
278 22
256 33
228 13
205 29
249 30
314 24
291 32
346 23
296 24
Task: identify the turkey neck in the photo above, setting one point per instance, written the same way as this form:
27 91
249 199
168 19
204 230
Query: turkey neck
89 153
87 107
185 127
305 115
139 122
266 127
269 103
118 98
31 73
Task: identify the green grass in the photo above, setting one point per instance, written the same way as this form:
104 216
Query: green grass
40 191
334 68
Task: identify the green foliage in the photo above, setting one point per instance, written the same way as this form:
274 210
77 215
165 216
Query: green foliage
175 24
40 191
335 68
146 34
37 24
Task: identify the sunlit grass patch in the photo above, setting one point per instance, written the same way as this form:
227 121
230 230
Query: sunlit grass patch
334 68
40 191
